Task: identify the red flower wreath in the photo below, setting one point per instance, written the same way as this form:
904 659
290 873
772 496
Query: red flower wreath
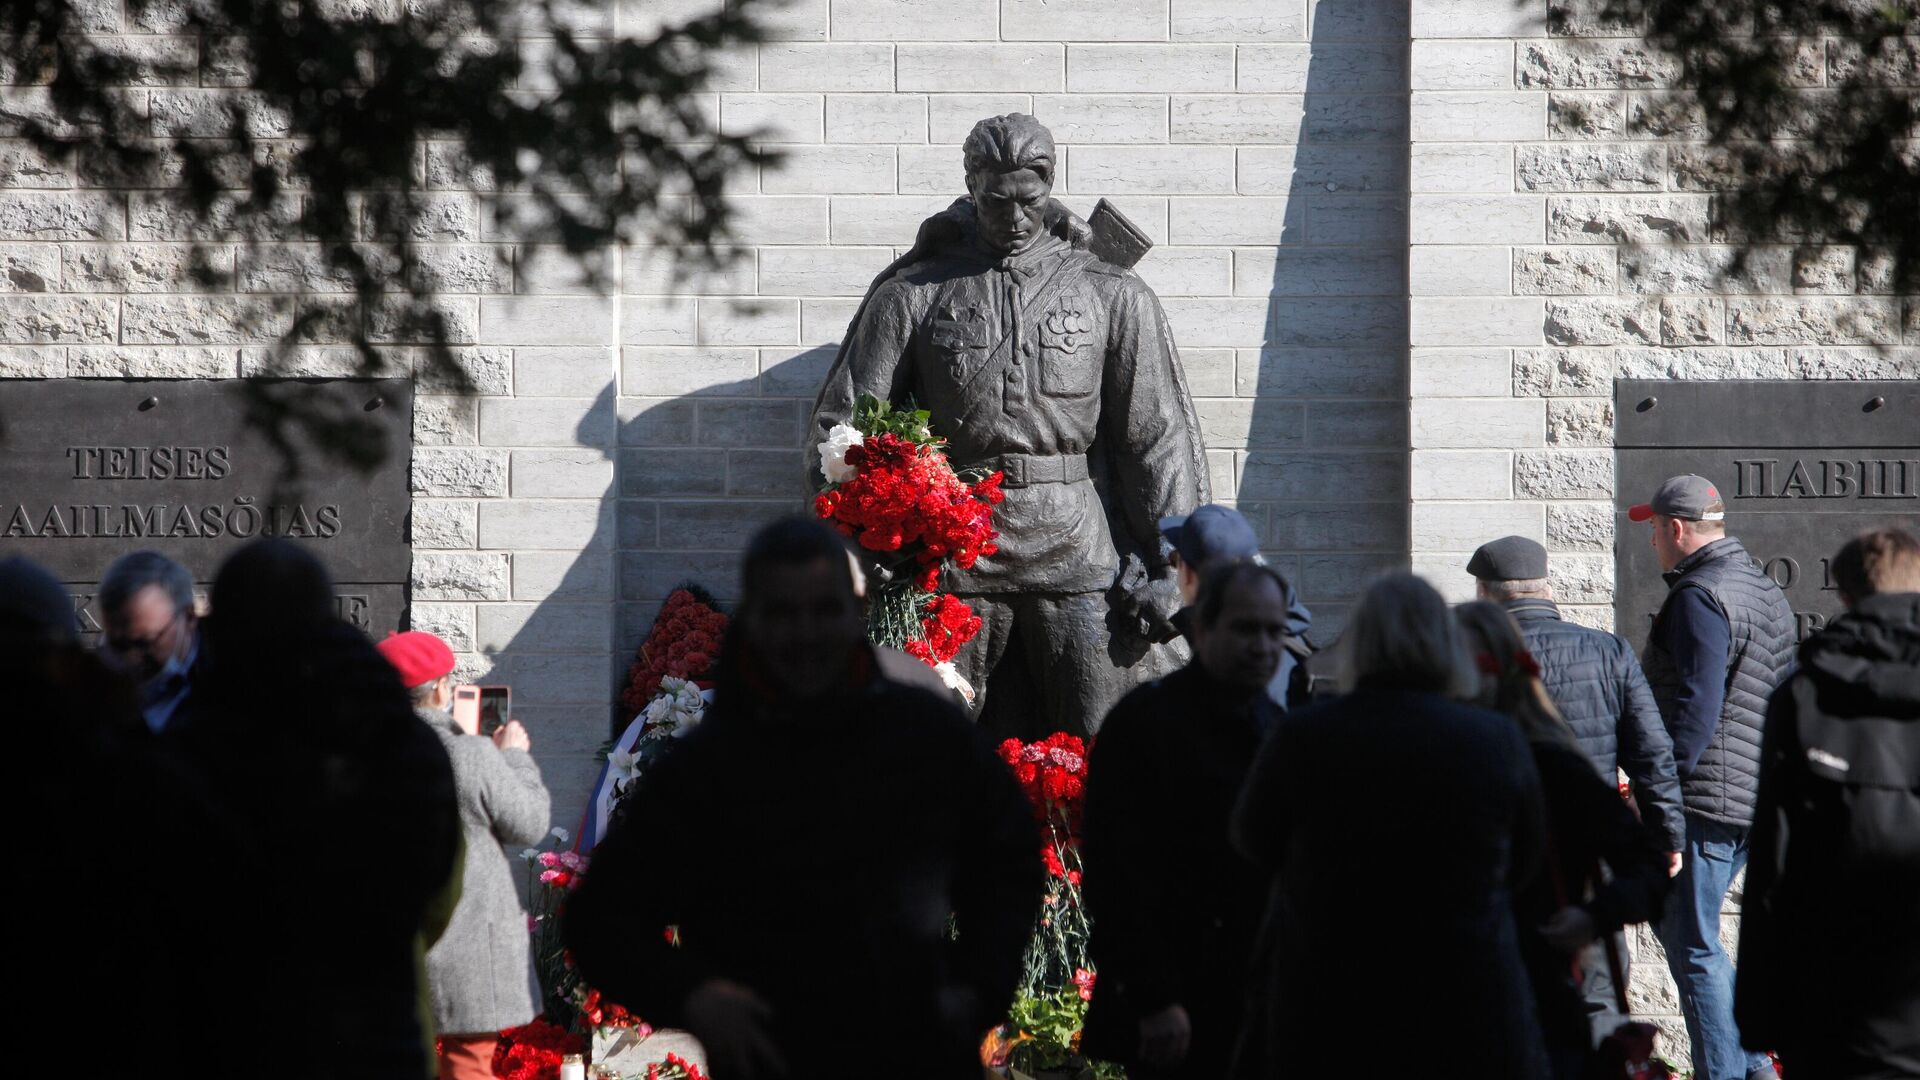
683 643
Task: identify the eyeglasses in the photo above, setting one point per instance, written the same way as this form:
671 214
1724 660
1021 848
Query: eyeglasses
144 644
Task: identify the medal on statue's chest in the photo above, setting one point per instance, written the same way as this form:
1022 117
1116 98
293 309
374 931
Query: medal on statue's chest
1066 329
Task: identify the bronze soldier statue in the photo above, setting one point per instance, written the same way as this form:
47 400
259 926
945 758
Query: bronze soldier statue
1041 359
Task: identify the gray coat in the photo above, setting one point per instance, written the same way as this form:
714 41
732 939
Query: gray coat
482 967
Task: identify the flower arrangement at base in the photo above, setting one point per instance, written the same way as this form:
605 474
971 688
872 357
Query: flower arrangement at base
533 1051
674 1067
570 1003
667 691
891 488
682 644
1042 1035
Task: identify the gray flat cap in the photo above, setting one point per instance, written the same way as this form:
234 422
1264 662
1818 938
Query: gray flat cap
1510 558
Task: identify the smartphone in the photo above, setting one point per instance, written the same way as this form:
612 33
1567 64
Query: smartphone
482 709
496 708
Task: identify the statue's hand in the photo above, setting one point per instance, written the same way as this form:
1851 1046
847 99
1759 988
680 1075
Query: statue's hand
1155 602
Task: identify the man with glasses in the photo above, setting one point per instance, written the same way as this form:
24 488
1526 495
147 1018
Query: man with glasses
146 609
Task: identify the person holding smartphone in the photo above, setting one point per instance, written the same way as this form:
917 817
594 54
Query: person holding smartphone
481 969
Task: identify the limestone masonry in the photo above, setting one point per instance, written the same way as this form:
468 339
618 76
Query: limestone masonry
1407 246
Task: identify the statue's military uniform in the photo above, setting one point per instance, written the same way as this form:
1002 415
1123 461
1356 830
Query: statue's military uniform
1028 364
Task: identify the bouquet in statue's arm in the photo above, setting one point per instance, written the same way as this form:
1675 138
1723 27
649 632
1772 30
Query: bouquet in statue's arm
890 487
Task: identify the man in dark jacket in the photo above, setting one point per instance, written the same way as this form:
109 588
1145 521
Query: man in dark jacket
1174 907
1215 534
145 913
1594 679
1830 939
1722 642
307 739
1596 682
811 840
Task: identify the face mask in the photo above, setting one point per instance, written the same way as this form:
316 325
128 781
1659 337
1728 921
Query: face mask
162 678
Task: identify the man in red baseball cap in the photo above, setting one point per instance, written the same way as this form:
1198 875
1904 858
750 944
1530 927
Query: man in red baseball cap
1723 640
481 969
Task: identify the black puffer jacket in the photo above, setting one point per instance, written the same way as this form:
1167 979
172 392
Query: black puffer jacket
1596 681
1830 941
1722 784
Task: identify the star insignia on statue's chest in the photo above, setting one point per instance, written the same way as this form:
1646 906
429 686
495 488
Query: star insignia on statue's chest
959 333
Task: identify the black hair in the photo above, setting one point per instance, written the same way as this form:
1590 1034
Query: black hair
267 588
1223 578
792 541
136 570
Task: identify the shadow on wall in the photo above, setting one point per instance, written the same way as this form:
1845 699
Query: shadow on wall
703 445
677 484
1324 473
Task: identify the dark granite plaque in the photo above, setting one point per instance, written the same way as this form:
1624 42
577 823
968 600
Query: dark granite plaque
1802 467
90 470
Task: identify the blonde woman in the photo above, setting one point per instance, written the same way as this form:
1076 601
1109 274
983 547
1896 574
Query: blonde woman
1397 822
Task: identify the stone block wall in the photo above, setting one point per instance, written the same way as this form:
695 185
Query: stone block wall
1560 239
625 439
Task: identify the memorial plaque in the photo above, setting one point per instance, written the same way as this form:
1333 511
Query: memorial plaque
1802 466
90 470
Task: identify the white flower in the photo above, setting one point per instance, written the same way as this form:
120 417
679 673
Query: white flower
833 453
954 680
560 834
678 706
622 764
530 854
657 709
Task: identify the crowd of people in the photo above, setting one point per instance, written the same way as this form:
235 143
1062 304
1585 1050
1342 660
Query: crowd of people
278 824
1430 872
269 829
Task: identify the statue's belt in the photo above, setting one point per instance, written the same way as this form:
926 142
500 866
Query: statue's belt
1021 470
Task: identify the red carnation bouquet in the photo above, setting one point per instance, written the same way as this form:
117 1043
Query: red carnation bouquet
1050 1006
1053 774
891 488
948 624
674 1067
552 875
533 1051
684 643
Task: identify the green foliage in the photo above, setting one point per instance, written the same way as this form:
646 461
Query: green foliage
875 417
1053 1022
359 117
1809 112
893 611
1048 1011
